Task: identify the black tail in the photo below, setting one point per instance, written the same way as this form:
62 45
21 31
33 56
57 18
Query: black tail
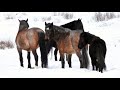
43 50
85 57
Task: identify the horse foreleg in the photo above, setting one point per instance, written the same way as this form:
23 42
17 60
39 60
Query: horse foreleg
28 57
85 57
20 57
55 54
36 57
80 59
62 60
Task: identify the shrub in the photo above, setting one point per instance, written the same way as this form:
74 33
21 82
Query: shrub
104 16
67 15
6 44
46 19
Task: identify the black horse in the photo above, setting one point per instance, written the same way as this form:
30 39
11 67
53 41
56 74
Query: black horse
67 42
73 25
97 49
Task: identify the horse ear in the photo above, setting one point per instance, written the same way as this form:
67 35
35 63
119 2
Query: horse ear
79 19
45 23
52 23
27 20
18 20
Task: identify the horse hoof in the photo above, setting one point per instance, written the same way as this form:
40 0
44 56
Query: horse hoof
81 67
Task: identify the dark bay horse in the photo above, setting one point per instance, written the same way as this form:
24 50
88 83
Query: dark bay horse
66 41
97 50
30 40
73 25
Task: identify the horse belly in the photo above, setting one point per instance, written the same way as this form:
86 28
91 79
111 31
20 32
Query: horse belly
66 47
69 50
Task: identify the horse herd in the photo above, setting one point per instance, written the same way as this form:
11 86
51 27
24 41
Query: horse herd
68 39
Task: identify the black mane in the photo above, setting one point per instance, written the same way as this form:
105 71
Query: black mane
73 25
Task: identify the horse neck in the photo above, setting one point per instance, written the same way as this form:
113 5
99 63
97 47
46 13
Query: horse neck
61 33
22 28
74 26
92 38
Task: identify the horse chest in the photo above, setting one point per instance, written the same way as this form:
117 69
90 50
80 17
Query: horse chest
22 41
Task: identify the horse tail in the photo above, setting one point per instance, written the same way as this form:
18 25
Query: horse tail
43 50
85 57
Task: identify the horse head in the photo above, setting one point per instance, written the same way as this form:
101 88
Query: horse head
23 24
49 30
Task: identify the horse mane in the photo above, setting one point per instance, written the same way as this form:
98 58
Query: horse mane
72 25
61 30
90 37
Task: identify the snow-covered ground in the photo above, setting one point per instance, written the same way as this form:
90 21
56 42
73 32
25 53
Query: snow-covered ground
9 58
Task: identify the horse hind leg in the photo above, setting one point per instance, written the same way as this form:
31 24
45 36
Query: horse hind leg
35 57
69 60
28 57
20 57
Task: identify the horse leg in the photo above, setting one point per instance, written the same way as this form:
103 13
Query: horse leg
55 54
28 57
62 60
93 64
69 60
85 57
36 57
97 65
80 59
20 57
44 58
93 60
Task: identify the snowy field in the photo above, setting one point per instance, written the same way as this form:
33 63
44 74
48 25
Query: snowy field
9 58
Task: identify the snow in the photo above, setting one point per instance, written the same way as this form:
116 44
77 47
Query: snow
9 58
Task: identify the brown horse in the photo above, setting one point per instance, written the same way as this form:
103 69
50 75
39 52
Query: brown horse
73 25
30 40
67 42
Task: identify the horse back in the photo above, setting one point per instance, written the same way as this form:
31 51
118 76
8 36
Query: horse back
33 37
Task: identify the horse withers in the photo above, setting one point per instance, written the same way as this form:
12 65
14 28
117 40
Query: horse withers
66 41
97 50
30 40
